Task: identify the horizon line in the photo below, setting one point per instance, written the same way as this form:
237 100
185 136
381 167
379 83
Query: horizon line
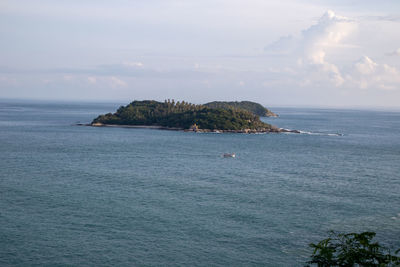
125 102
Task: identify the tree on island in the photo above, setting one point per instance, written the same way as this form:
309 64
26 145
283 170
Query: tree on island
253 107
183 115
352 249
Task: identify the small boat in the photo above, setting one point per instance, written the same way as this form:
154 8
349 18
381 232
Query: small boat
229 155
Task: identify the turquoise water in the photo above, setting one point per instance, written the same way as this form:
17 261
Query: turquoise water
74 195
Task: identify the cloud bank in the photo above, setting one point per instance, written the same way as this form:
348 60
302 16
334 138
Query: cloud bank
329 35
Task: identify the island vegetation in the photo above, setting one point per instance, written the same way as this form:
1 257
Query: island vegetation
253 107
185 116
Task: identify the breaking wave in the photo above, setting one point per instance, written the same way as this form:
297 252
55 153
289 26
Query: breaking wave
316 133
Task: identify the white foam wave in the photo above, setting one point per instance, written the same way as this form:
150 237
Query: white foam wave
317 133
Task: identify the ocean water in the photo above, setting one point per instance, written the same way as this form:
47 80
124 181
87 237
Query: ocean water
76 195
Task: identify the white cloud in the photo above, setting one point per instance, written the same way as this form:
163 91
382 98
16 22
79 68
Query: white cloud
68 78
116 82
368 74
366 66
110 81
315 68
328 32
394 53
313 45
133 64
322 37
91 79
285 45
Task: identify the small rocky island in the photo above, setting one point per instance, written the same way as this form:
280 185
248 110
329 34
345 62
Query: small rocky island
234 117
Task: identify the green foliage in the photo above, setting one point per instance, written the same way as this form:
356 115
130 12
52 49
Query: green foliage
182 115
253 107
352 249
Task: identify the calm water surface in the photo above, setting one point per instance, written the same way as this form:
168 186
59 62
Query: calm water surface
73 195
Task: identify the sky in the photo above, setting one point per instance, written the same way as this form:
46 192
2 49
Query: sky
332 53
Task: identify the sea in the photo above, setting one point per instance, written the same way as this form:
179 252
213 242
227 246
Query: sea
100 196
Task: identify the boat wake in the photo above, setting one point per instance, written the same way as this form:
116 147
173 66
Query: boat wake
314 133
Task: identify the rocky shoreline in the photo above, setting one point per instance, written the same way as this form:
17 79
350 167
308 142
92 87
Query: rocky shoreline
273 129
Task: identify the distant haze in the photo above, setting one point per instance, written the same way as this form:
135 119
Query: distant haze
289 52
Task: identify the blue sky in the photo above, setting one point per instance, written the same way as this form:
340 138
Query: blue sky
279 53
